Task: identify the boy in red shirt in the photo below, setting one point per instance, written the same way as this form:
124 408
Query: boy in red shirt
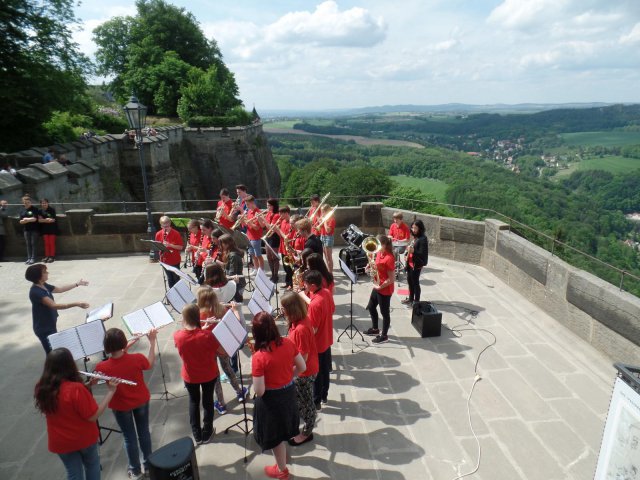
382 290
225 209
172 240
254 232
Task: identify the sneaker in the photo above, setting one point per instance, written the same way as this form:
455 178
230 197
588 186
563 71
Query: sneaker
224 378
409 305
318 406
380 339
243 394
45 260
135 476
372 331
221 409
324 401
273 471
52 259
206 436
406 301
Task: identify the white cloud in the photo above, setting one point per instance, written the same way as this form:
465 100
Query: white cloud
328 26
633 36
525 14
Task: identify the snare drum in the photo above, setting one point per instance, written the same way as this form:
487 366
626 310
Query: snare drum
400 246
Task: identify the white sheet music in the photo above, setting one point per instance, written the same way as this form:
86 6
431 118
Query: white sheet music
265 285
158 314
230 333
262 302
185 276
347 271
105 312
254 308
180 295
91 337
68 339
137 322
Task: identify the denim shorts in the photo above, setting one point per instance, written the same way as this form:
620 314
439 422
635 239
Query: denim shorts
255 248
327 240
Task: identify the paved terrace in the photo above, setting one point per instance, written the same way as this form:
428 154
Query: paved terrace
396 411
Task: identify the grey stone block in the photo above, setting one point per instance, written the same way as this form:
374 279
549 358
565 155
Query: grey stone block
524 255
462 231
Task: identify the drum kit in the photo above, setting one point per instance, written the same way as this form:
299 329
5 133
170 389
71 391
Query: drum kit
353 255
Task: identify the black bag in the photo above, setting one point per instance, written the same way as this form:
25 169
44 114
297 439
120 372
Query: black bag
426 319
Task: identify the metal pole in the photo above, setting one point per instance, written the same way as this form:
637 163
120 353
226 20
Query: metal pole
150 228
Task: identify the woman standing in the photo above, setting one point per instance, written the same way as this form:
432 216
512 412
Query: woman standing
130 404
273 365
301 334
417 258
48 230
71 413
44 308
197 348
382 290
273 217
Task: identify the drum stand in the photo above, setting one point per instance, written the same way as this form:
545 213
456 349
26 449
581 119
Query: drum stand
243 424
109 430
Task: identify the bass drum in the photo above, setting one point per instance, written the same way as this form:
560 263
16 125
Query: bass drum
354 258
353 235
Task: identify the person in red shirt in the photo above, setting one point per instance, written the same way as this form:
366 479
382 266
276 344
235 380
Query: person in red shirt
71 413
284 231
224 210
314 214
172 240
198 348
130 404
399 231
320 313
274 363
273 240
327 231
301 333
195 240
240 204
254 232
382 290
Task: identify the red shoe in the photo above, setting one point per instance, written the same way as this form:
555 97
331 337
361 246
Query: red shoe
273 471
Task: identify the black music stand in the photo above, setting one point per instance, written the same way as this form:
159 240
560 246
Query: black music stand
249 287
353 279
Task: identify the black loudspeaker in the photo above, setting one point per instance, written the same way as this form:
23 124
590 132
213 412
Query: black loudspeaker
355 258
426 319
174 461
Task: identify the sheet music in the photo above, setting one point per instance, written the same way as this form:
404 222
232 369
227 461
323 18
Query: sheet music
68 339
180 295
105 312
158 315
91 337
137 322
185 276
262 302
230 333
254 308
347 271
159 246
265 285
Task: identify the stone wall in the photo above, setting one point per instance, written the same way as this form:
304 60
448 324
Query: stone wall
597 311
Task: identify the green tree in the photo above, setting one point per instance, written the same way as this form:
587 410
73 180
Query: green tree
210 93
41 69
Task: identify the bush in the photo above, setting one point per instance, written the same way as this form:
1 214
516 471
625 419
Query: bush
235 118
62 127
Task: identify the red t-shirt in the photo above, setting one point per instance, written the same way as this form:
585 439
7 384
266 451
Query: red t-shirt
320 314
298 243
128 367
329 227
254 229
329 286
194 240
285 228
206 245
197 348
69 428
171 256
301 334
272 217
399 232
385 262
276 366
228 220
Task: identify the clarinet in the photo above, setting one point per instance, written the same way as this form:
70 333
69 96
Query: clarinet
100 376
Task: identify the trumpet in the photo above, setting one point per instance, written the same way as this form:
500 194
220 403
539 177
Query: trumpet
239 221
269 232
219 213
371 245
100 376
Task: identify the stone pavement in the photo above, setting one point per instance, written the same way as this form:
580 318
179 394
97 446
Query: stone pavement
396 410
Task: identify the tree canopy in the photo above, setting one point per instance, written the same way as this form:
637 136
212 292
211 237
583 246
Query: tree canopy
161 54
41 69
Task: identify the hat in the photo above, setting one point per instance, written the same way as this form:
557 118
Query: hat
226 293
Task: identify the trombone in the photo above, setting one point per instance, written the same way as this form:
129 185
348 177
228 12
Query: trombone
371 245
239 221
326 217
324 199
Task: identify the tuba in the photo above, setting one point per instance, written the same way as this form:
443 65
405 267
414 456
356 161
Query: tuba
371 246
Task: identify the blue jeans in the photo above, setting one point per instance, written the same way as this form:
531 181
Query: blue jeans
255 248
31 238
129 422
82 464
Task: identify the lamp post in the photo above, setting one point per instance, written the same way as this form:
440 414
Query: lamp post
136 117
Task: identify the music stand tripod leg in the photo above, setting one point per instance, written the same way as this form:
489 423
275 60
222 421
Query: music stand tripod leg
246 429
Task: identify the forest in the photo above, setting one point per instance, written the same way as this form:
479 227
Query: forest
585 210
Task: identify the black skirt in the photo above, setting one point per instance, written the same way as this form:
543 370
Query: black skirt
275 417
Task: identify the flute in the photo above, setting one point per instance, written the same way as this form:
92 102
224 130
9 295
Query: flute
99 376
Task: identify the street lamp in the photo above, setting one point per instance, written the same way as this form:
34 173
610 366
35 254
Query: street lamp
136 117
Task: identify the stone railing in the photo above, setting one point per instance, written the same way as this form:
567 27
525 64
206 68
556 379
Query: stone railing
598 312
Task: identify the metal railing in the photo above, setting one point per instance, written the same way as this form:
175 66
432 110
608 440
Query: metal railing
604 270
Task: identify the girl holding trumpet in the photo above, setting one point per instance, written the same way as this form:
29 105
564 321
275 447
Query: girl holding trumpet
382 269
130 404
254 232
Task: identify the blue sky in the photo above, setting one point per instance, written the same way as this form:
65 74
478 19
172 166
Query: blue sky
344 54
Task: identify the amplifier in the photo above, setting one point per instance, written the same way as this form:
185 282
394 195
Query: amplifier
426 319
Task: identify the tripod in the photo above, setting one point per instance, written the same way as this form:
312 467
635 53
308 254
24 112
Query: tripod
109 430
167 395
249 287
243 424
349 329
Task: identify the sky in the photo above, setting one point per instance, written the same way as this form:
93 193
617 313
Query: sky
334 54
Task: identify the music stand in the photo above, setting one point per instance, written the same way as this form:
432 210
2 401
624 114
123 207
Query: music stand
249 286
353 279
232 333
277 310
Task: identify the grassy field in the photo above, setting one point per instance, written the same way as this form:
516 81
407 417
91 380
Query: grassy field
427 185
611 164
605 139
281 125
